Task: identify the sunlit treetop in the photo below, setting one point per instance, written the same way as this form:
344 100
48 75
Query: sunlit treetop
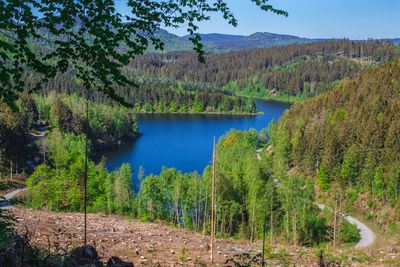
90 39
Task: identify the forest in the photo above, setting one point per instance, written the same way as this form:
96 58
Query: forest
155 94
244 206
304 70
313 154
253 195
349 140
66 121
316 138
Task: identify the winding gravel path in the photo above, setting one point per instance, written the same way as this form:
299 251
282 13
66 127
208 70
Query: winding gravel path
6 203
367 236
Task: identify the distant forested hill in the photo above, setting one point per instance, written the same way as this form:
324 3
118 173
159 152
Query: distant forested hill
224 42
215 42
218 37
293 70
228 42
349 137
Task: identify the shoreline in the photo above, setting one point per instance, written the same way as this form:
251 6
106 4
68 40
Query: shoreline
199 113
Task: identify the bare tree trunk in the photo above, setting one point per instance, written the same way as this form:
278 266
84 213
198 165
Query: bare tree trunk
215 220
287 225
139 207
252 221
176 206
139 195
109 205
303 221
334 222
272 221
196 203
295 227
339 221
205 213
11 169
287 218
230 224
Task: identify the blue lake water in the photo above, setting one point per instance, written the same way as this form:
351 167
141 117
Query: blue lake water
184 141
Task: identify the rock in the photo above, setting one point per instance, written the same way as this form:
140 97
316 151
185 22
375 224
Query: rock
116 262
86 255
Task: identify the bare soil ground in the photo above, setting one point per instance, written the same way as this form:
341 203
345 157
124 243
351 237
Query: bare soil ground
137 242
156 244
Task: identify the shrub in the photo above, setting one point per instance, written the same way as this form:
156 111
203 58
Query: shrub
349 233
353 196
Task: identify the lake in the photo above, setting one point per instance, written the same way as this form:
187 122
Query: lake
184 141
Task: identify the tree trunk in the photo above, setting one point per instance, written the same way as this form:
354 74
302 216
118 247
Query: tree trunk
205 214
295 227
287 225
176 206
133 205
334 222
272 222
339 221
196 204
252 220
139 196
109 204
287 218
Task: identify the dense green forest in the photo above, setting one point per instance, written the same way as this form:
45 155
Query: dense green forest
294 70
176 81
349 139
155 94
66 119
14 134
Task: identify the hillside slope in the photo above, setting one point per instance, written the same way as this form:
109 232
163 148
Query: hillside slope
294 70
349 139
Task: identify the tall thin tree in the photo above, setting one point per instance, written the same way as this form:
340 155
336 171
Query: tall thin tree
212 206
86 167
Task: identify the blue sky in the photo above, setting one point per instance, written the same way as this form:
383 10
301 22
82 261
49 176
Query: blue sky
354 19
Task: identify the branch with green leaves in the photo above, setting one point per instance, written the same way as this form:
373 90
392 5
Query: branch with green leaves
92 39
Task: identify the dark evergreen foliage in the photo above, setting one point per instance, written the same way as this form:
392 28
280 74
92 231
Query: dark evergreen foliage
351 134
308 69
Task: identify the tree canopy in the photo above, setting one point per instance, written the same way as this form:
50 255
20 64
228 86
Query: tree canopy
91 38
